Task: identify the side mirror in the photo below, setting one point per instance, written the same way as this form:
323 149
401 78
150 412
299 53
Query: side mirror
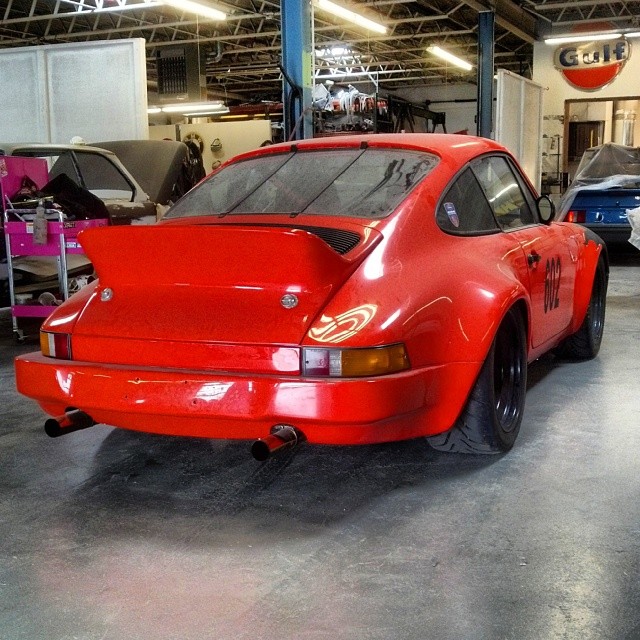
546 209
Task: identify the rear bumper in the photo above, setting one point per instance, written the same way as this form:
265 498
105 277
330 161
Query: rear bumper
215 405
611 233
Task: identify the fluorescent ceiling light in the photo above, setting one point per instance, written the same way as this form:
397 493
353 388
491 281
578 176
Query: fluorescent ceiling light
635 34
191 108
581 38
197 7
120 6
210 112
449 57
351 16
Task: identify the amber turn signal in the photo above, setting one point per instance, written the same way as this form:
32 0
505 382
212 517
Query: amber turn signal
354 363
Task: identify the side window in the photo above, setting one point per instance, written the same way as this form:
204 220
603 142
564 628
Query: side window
464 209
504 192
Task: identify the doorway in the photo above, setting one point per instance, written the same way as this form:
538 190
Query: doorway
591 122
582 136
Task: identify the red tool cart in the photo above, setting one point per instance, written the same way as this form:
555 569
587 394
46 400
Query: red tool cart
39 230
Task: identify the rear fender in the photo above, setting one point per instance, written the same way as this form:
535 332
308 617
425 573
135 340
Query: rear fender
592 250
439 323
64 318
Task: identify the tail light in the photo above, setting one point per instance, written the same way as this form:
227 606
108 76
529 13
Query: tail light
576 215
55 345
353 363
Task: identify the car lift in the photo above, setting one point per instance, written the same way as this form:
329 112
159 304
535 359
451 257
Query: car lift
405 112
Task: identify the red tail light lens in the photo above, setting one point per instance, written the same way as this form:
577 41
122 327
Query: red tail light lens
55 345
576 215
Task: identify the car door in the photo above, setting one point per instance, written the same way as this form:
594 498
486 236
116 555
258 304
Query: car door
549 250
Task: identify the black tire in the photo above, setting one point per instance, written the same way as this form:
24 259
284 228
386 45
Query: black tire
585 343
491 418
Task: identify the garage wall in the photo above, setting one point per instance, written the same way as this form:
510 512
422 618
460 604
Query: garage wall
95 90
234 137
625 85
458 102
558 90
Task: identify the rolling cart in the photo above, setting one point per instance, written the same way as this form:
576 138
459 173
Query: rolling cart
60 241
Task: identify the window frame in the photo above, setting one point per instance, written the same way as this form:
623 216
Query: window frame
524 189
522 183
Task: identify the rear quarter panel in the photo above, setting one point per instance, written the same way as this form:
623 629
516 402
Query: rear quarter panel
442 296
444 301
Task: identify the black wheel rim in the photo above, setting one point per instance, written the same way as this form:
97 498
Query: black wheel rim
508 363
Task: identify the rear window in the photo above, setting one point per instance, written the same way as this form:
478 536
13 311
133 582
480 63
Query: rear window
87 169
366 183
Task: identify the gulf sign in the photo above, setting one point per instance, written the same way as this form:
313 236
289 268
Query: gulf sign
592 65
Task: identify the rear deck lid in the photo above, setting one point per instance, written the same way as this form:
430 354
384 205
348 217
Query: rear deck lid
212 283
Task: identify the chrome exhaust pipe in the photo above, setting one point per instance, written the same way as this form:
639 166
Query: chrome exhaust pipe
72 420
282 436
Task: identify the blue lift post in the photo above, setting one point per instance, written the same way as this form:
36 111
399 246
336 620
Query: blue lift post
297 69
486 21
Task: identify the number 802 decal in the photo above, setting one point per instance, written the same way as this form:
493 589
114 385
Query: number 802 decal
552 284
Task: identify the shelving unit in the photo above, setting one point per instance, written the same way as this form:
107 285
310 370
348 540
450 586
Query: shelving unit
553 177
362 114
62 240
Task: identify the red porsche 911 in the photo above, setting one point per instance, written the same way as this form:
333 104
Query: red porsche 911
344 290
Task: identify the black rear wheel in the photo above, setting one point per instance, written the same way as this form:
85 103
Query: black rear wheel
491 419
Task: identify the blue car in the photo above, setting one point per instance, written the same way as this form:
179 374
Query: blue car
606 186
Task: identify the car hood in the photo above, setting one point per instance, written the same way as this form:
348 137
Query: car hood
212 283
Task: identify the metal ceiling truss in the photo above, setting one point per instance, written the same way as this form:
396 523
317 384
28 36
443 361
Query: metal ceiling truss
243 52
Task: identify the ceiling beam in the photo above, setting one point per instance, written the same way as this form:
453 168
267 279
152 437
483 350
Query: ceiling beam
509 16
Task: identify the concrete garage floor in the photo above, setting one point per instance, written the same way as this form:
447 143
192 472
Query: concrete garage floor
111 535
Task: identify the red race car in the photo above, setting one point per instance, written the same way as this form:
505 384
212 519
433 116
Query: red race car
344 290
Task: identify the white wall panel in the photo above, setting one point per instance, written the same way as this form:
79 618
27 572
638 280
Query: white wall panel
518 123
23 111
107 99
96 90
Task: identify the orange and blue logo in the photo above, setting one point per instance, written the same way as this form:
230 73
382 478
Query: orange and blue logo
592 65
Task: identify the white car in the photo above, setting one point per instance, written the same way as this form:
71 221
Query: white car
96 170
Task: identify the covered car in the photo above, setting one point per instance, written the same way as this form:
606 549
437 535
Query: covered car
606 186
347 290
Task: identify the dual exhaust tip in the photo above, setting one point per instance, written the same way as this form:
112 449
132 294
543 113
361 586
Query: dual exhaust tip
282 436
